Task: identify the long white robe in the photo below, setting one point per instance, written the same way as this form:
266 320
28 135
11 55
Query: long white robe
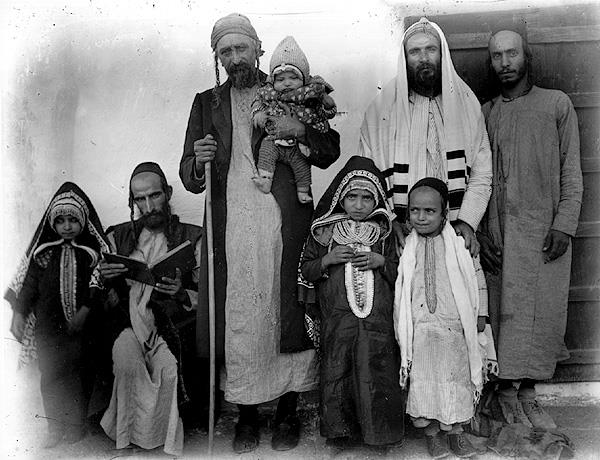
143 407
255 370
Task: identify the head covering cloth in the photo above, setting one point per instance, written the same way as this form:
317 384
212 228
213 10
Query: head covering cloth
288 56
359 183
233 23
67 206
148 166
362 171
385 134
434 183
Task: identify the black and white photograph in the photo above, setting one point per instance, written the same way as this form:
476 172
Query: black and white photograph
300 230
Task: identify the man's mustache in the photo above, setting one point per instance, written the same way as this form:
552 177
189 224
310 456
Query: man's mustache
426 66
242 66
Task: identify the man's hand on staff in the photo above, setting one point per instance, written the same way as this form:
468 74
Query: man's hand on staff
205 150
110 271
555 245
463 229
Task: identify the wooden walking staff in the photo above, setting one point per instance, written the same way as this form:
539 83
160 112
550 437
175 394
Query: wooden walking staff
211 305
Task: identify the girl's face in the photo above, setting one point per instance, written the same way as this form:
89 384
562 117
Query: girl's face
67 227
358 204
286 81
425 212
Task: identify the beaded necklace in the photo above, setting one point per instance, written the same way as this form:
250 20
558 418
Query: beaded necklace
360 285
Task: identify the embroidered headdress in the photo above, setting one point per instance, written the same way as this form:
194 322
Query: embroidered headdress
359 183
358 172
67 206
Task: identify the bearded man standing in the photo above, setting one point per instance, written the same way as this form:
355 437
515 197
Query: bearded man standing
258 239
428 123
526 234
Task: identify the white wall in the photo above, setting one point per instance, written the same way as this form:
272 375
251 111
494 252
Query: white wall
91 89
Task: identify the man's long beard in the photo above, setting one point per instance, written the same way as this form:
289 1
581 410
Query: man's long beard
425 78
242 75
156 219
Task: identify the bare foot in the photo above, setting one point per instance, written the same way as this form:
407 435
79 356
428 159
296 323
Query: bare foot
304 197
263 183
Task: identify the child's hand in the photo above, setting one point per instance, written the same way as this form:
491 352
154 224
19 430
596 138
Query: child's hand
481 320
368 261
109 271
259 120
17 326
328 101
78 321
338 255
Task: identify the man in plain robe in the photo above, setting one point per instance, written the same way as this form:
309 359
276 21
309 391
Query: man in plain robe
527 231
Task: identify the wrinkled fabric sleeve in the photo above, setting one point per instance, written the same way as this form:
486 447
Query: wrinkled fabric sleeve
311 261
390 269
29 293
479 187
482 287
571 182
98 286
324 147
193 293
193 180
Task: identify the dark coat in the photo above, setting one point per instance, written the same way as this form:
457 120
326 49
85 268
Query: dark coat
295 217
167 312
360 359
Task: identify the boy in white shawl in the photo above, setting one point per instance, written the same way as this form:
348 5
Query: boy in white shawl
440 307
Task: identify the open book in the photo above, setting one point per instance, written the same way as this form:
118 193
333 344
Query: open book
181 257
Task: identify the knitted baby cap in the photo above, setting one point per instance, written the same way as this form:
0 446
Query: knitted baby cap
287 54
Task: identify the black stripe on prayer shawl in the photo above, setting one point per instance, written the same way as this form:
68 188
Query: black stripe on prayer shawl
455 154
456 174
468 171
455 198
400 188
398 168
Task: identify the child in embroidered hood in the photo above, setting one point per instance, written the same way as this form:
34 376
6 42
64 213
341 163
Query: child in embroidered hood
290 89
351 258
50 301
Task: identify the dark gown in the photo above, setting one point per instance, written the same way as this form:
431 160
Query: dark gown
65 358
360 359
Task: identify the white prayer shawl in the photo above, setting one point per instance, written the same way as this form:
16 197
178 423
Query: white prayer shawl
388 137
463 281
